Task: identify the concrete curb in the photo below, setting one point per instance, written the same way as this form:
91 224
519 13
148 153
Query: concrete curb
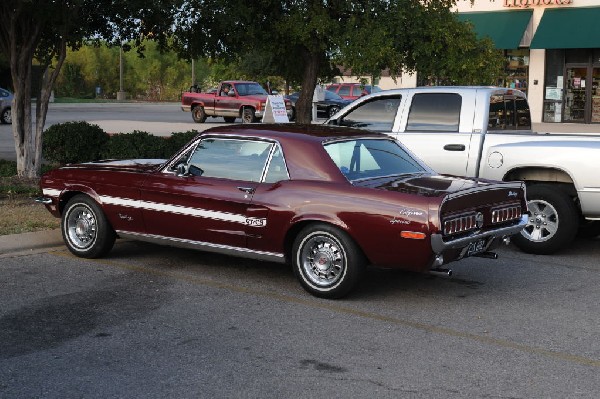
16 243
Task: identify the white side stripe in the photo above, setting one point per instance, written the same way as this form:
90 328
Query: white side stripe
180 210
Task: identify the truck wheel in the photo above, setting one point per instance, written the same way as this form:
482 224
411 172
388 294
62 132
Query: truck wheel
327 261
229 119
553 221
248 115
198 114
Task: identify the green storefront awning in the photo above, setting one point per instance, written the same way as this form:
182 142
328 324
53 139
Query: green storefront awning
568 28
505 28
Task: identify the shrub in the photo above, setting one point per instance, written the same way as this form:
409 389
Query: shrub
73 142
137 144
177 141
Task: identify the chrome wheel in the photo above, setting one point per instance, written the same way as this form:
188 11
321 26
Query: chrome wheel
323 259
81 226
543 222
85 229
327 261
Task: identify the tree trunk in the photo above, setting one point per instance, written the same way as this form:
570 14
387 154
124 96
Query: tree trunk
309 82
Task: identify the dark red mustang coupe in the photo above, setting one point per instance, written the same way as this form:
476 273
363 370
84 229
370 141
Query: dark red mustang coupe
329 201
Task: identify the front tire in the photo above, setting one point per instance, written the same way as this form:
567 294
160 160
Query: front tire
332 110
553 222
326 261
85 229
198 114
6 117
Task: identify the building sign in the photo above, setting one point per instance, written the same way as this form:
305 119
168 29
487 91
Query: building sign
534 3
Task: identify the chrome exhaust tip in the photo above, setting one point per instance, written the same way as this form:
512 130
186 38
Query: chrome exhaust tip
441 272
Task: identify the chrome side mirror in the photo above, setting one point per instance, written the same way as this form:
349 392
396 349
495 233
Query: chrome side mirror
182 170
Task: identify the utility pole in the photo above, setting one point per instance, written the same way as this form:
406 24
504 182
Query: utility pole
121 95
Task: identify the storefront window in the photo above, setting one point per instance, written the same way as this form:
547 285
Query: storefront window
517 69
554 84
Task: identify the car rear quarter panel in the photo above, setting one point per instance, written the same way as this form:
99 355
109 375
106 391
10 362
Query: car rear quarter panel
373 218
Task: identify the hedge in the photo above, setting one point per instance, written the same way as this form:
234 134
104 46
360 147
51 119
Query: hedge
75 142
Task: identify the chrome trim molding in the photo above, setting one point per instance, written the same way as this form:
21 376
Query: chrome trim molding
204 246
438 245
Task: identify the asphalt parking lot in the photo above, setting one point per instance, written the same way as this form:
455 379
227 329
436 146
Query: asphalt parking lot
158 322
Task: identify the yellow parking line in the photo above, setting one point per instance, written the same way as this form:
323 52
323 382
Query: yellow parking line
331 306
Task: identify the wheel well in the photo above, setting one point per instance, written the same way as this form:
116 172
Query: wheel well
66 197
293 232
550 175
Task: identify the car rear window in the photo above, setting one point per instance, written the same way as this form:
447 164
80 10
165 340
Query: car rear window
371 158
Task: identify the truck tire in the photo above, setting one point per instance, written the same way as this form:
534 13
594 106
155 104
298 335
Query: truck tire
198 114
248 115
553 221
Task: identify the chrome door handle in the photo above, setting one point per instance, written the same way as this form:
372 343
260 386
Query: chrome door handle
247 190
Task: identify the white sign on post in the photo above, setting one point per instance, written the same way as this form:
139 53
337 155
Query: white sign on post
275 110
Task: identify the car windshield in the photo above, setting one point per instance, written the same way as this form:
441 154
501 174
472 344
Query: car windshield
372 158
248 89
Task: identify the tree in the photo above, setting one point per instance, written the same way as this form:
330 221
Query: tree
307 39
43 30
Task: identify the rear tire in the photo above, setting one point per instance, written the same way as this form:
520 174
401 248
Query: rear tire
332 110
326 261
85 229
198 114
553 222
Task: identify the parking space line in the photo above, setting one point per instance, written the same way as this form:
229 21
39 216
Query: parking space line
331 306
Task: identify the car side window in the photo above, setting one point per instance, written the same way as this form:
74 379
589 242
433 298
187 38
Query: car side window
377 114
229 159
277 170
438 112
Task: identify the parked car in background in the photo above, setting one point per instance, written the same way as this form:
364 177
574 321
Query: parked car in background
6 98
328 200
352 91
326 108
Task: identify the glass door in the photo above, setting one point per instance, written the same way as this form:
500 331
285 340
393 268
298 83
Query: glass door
575 94
595 95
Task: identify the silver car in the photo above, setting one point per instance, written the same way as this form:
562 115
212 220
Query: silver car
6 98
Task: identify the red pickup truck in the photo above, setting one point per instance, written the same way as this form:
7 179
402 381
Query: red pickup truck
232 99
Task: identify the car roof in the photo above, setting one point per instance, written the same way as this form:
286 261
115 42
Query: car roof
290 132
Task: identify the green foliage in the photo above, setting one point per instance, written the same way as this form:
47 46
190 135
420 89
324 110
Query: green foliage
177 141
73 142
7 168
135 145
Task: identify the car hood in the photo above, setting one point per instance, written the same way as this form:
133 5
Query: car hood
427 185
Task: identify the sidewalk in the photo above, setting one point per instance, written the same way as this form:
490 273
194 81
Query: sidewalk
27 243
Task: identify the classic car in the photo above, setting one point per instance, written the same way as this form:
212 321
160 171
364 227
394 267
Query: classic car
326 199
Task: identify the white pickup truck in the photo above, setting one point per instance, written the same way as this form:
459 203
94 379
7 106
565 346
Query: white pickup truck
486 132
